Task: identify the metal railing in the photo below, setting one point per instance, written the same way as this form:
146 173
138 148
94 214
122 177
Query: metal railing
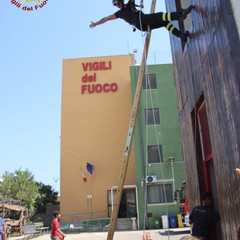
88 222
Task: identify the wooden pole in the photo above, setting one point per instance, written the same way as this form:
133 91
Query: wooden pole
127 149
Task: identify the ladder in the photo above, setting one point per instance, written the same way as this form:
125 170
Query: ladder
132 123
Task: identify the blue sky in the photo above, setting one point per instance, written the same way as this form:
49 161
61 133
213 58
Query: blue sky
33 45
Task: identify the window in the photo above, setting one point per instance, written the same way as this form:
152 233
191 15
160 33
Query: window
160 193
149 81
152 116
155 154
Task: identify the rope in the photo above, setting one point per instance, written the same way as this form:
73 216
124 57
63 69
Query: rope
142 33
157 140
156 135
146 156
162 178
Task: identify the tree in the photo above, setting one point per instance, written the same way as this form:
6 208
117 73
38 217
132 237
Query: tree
1 180
46 196
21 186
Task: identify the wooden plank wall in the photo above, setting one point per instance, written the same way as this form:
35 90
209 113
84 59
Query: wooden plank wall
210 66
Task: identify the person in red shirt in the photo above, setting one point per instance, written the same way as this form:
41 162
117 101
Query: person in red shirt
56 233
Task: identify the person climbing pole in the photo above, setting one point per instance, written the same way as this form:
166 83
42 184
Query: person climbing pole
145 22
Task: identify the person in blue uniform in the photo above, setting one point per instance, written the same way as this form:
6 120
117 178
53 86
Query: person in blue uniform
2 228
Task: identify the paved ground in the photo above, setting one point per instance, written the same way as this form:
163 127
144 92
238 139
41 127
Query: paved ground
131 235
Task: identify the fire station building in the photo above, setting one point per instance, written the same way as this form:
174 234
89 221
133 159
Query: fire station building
97 95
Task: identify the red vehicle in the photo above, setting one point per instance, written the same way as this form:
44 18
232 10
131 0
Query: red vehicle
182 198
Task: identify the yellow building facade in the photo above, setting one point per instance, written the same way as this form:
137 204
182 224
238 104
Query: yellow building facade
96 108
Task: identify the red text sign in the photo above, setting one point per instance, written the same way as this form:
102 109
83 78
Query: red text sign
89 79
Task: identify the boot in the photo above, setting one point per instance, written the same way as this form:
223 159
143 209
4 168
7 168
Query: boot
184 36
184 12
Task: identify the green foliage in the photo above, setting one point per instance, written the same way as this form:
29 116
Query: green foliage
1 187
21 186
47 195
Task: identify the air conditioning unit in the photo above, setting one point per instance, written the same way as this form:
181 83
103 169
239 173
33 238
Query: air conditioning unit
151 179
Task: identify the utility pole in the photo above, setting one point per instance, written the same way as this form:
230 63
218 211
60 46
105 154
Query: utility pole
128 145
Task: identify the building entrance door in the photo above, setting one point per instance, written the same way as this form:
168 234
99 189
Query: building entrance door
128 204
208 162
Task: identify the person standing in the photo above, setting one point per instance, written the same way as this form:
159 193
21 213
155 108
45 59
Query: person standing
203 217
2 228
56 233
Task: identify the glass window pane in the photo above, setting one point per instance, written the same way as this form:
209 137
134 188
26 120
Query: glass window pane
150 82
152 116
160 193
155 154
